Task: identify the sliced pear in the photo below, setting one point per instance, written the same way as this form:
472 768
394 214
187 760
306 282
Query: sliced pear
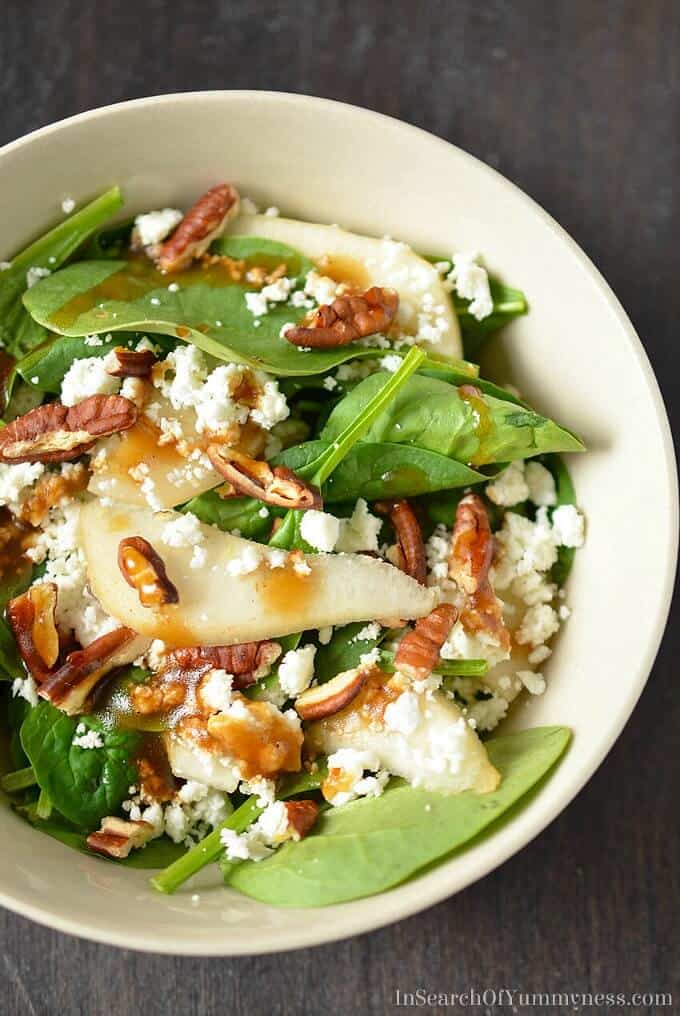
437 750
218 607
366 261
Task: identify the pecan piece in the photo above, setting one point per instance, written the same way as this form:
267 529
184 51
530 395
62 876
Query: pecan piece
247 662
472 549
31 618
69 687
346 319
56 433
418 651
301 817
409 535
279 486
143 569
133 362
50 489
329 698
116 837
202 224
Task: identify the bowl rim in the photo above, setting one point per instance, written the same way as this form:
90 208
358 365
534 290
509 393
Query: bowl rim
394 907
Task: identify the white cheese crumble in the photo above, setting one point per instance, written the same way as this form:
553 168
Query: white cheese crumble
320 530
25 688
568 524
152 227
35 274
353 764
87 739
541 484
296 670
368 633
275 292
249 560
216 690
185 531
320 287
510 487
67 205
86 377
532 681
16 480
360 531
471 282
403 715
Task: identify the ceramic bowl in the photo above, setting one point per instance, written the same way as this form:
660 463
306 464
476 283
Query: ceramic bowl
582 363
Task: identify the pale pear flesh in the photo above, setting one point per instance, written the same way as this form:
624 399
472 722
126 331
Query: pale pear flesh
367 261
219 608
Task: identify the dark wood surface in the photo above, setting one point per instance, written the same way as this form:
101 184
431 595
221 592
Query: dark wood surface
578 102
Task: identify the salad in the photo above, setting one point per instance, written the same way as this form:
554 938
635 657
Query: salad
275 559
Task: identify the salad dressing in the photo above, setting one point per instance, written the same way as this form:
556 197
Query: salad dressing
342 268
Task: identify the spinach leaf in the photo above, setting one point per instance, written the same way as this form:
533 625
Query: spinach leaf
18 331
383 470
207 309
507 304
371 845
10 663
242 513
84 784
262 688
111 242
44 368
343 652
566 494
431 414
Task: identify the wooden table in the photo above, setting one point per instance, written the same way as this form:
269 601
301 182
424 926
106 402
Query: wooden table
579 103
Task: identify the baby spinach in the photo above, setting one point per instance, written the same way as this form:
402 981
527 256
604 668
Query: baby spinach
109 296
383 470
566 494
431 414
370 845
508 304
344 651
45 367
242 513
84 784
19 332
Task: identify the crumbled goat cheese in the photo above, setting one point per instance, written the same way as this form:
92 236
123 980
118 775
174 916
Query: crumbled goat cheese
272 212
320 287
539 655
257 842
67 205
403 715
93 340
471 283
541 484
58 545
193 812
25 688
368 633
353 764
261 788
392 362
568 525
271 407
274 292
183 531
87 739
488 713
216 690
532 681
256 304
360 531
320 530
524 546
539 623
35 274
330 383
510 487
296 670
86 377
370 659
152 227
248 560
464 645
15 480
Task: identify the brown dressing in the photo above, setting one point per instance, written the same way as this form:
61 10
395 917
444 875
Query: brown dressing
265 744
285 591
483 423
341 268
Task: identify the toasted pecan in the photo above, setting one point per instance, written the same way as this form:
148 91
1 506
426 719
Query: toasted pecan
116 837
409 536
143 569
69 687
418 651
50 489
31 618
256 478
301 817
56 433
202 224
133 362
247 662
472 549
346 319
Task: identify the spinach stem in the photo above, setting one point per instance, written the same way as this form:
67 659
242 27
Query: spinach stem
447 668
20 779
209 849
43 808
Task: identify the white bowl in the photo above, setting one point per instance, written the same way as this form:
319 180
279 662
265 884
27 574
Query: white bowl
576 356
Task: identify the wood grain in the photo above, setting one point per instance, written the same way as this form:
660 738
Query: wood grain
577 102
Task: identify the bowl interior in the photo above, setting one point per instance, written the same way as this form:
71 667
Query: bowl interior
575 356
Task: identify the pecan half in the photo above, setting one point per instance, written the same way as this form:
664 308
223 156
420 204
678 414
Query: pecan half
279 486
202 224
472 549
31 618
301 817
143 569
247 662
56 433
116 837
329 698
418 651
132 362
346 319
412 558
69 687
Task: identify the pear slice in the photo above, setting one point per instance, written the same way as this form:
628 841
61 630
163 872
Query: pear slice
366 261
218 607
436 750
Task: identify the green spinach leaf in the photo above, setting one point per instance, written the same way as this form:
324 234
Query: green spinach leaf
507 304
19 332
344 651
431 414
242 513
566 494
44 368
84 784
369 846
